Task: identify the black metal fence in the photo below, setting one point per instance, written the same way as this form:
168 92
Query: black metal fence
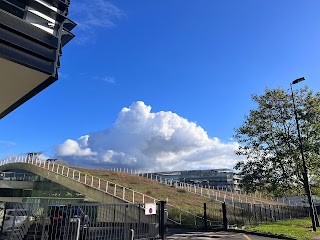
210 216
240 214
243 214
223 215
95 221
81 221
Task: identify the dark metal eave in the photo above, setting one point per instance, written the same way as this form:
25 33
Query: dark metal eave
69 24
16 55
60 4
26 45
30 48
47 11
27 30
19 3
66 37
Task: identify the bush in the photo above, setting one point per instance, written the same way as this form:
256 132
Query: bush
181 191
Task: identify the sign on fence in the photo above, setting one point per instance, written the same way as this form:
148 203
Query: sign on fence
150 208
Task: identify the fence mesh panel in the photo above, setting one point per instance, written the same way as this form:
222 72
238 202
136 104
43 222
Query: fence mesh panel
77 221
241 214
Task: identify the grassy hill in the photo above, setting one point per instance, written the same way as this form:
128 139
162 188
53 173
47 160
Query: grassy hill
176 197
179 200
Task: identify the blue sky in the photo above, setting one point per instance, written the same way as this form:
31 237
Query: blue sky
182 63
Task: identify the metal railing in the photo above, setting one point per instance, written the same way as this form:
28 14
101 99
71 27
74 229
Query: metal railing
238 215
108 187
118 191
78 221
221 195
212 218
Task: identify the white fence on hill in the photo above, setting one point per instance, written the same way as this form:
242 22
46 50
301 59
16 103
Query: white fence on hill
108 187
219 194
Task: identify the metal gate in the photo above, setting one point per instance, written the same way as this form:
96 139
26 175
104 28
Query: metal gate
82 221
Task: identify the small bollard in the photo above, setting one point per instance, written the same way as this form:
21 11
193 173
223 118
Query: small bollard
131 234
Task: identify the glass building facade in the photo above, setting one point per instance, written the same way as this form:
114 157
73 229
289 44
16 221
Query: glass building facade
37 190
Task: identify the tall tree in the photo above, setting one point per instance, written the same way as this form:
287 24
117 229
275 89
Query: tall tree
269 140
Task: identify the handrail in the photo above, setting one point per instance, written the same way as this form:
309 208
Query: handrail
216 194
108 187
186 186
111 188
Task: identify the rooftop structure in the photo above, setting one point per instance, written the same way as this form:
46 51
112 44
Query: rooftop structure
217 178
32 34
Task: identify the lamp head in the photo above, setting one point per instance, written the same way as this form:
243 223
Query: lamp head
298 80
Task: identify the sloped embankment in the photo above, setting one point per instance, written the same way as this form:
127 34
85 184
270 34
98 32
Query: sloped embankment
174 196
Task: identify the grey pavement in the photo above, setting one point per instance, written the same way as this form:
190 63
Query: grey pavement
190 234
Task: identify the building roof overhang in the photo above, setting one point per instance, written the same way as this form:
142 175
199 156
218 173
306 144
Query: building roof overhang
31 41
18 84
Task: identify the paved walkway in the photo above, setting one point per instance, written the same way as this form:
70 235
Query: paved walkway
187 234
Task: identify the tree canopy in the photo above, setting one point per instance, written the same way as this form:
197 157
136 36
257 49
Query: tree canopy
268 138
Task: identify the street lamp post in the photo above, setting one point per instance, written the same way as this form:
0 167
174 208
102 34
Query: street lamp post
313 214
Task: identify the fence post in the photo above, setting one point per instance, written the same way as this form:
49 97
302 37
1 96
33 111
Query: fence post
242 215
224 216
205 216
270 213
163 220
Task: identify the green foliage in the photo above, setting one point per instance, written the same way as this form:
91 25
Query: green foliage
297 228
269 140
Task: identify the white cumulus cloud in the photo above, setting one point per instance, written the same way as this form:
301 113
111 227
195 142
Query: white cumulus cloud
75 148
149 141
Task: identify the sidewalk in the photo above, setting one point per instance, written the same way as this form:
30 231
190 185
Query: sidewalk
316 238
194 234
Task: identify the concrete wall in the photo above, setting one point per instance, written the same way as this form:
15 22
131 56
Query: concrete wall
11 199
16 184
